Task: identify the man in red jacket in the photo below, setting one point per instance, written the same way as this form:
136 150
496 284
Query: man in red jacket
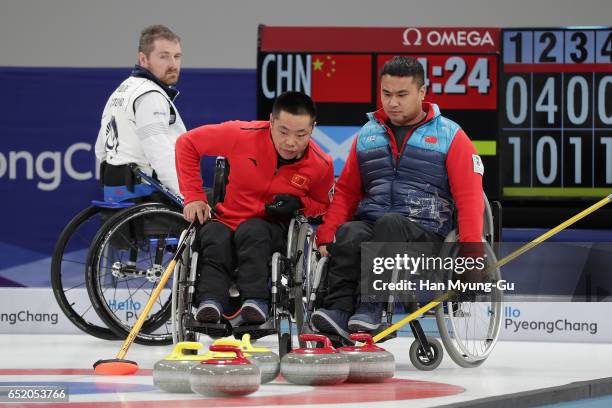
407 172
275 170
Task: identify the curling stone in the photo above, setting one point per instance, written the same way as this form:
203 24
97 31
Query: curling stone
315 366
172 373
267 361
222 377
368 363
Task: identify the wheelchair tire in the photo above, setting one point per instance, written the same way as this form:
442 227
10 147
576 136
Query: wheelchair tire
125 261
67 279
301 252
284 344
420 360
310 265
181 302
298 308
469 329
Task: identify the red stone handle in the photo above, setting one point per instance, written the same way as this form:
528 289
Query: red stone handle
228 349
318 338
363 337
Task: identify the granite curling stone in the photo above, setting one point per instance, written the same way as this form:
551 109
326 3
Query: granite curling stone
267 361
223 377
172 373
315 366
369 363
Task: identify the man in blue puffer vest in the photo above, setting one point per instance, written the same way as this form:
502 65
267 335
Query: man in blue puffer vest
407 173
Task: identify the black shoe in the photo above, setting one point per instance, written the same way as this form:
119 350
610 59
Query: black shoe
367 317
330 321
254 311
209 311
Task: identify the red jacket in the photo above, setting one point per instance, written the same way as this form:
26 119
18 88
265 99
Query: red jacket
465 184
254 178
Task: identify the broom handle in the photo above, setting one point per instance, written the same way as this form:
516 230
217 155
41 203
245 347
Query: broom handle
500 263
162 282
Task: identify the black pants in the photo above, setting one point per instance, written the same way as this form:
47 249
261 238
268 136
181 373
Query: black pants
241 256
344 271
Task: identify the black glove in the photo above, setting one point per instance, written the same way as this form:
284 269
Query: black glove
284 206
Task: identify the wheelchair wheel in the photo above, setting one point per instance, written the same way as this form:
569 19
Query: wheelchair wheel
419 358
124 264
318 282
310 265
301 259
469 329
284 344
68 270
184 276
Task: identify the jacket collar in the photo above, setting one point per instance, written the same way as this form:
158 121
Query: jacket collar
431 109
141 72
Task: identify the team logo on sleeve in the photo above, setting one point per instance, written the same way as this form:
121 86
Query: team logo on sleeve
112 139
300 181
478 166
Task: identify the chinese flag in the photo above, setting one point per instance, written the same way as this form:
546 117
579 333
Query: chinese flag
341 78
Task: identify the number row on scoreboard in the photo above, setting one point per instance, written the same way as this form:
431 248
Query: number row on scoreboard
548 159
557 100
557 47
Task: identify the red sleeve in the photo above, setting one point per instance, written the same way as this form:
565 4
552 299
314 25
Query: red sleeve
346 197
208 140
316 202
466 187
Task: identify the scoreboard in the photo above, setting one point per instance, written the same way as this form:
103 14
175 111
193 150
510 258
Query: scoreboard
536 102
556 116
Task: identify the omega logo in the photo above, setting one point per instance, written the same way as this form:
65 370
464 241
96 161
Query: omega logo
413 36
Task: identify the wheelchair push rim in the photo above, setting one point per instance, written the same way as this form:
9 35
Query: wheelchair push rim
470 329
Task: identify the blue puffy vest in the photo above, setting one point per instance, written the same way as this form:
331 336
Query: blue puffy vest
415 185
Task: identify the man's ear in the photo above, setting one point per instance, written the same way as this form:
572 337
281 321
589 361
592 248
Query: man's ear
142 59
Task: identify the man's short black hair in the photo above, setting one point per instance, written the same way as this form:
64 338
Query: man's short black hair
404 67
295 103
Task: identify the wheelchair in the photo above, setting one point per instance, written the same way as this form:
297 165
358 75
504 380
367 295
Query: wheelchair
469 327
115 249
287 302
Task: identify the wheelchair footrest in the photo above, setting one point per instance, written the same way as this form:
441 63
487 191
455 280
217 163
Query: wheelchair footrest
212 329
256 331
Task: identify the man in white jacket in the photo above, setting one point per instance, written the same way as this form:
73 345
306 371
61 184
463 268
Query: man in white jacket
140 123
